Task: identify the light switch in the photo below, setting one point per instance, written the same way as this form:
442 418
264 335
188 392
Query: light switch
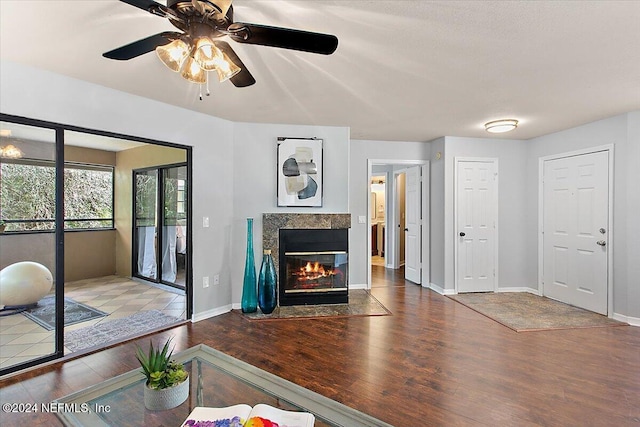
205 221
362 219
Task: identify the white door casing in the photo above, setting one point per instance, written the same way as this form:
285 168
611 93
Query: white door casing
576 230
476 222
413 224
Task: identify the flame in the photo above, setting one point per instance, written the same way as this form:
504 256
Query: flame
314 271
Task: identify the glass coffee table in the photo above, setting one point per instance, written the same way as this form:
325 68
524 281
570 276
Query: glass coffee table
216 380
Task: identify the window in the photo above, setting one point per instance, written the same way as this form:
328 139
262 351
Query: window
27 195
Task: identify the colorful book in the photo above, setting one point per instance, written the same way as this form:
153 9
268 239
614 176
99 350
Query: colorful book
260 415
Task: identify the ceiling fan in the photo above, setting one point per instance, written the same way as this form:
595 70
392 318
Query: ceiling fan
199 47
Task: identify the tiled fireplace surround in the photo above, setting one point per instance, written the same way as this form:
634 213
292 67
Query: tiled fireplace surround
273 222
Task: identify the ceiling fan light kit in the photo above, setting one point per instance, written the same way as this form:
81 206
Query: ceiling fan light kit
174 54
501 126
200 48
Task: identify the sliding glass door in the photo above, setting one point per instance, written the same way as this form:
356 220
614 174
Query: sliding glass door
160 225
31 240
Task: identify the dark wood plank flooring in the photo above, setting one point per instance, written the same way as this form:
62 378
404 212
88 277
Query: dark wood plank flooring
433 362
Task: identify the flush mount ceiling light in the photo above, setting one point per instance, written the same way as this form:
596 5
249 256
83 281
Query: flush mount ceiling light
201 47
11 152
500 126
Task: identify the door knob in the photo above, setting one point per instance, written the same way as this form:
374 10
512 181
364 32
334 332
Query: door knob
601 242
406 229
462 234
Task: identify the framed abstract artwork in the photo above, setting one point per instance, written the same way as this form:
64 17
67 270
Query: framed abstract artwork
300 172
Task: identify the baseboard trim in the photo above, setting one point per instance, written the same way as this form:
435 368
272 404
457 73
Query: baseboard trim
440 290
520 289
212 313
633 321
358 286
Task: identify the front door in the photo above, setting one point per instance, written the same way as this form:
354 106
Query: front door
476 225
575 230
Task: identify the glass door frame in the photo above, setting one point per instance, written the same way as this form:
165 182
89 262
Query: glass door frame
160 223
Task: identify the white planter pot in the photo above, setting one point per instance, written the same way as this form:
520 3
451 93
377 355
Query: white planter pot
157 400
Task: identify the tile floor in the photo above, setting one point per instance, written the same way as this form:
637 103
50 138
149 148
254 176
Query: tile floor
21 339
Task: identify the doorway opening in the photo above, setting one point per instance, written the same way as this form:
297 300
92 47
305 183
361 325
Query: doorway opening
73 219
398 238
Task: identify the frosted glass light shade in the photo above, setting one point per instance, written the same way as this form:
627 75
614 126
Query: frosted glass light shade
207 55
173 54
226 68
192 71
500 126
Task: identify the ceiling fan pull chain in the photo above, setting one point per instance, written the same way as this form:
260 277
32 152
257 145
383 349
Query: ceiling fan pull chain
208 93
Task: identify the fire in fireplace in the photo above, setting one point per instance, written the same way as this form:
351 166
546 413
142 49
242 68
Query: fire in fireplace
309 271
313 267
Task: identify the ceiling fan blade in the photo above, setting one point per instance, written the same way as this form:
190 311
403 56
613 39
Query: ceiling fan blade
147 5
142 46
285 38
244 77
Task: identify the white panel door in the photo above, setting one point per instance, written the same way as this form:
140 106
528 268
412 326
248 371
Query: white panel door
575 227
413 225
476 226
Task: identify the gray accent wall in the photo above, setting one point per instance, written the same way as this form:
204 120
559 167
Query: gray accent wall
255 178
234 175
359 189
623 132
40 94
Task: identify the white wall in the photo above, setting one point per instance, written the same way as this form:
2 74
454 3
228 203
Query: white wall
437 214
43 95
512 249
255 178
632 229
361 152
624 132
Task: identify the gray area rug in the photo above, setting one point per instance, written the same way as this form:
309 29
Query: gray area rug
361 303
522 311
74 312
117 330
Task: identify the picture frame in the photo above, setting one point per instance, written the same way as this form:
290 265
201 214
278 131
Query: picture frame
300 175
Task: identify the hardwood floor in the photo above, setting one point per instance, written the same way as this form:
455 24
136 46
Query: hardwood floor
434 362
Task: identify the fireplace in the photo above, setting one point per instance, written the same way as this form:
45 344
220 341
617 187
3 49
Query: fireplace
313 266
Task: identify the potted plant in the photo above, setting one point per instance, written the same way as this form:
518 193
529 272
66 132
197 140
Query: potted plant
167 383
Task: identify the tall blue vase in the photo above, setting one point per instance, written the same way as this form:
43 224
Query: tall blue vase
249 298
267 284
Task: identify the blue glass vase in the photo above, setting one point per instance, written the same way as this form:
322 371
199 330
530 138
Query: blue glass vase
249 302
267 284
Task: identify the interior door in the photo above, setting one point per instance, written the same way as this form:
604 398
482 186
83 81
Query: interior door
413 224
575 230
476 225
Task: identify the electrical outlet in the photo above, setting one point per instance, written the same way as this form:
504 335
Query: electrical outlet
216 279
205 221
205 282
362 219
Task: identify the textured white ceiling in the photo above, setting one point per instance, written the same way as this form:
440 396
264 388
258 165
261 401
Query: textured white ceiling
404 70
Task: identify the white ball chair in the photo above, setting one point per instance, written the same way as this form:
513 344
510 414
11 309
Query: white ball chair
24 283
